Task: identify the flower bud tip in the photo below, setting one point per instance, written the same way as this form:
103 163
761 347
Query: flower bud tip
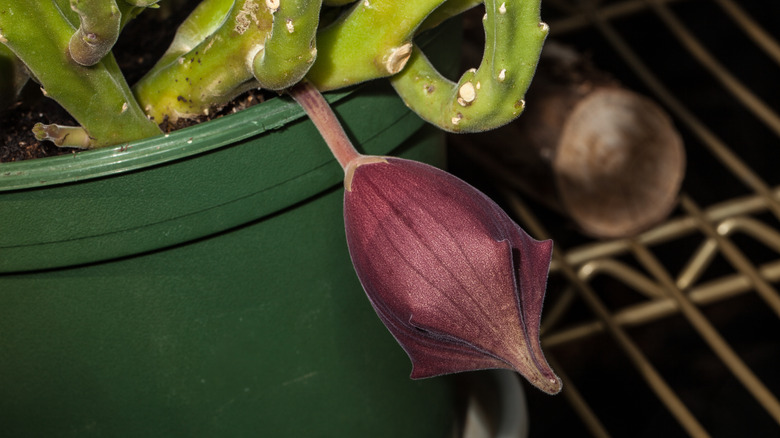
458 283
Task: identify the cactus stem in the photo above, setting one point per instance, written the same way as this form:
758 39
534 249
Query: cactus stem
100 23
488 96
288 54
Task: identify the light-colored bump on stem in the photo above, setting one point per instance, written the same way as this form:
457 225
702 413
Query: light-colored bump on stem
247 15
272 5
466 94
398 57
372 40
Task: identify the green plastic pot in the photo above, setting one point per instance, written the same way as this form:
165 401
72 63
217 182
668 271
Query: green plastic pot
199 285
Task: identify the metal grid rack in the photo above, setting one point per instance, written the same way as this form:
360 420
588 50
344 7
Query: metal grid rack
677 330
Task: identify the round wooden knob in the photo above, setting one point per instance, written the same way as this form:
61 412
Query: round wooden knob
618 164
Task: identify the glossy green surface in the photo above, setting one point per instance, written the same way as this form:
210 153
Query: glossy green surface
195 289
258 329
262 330
160 193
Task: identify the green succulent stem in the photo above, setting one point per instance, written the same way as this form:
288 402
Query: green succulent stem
127 12
290 49
98 97
13 76
373 40
209 62
228 46
492 94
203 21
98 31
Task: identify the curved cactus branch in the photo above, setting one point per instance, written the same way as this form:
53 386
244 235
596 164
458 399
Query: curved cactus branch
97 97
98 31
96 23
290 49
373 40
202 70
491 95
203 21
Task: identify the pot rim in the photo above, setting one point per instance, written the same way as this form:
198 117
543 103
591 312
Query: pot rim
213 134
193 140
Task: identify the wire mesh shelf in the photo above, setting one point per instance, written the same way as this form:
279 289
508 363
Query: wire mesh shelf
675 330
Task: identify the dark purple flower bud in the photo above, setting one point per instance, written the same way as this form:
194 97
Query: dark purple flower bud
453 278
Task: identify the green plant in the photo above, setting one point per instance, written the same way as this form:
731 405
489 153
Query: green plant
225 47
453 252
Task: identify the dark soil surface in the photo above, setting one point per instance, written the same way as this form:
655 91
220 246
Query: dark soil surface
141 43
16 138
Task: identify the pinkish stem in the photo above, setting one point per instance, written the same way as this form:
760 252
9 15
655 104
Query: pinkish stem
319 111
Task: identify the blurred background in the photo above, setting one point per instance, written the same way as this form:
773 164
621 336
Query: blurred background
649 152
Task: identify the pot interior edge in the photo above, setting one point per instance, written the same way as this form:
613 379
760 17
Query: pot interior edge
186 142
202 137
108 218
